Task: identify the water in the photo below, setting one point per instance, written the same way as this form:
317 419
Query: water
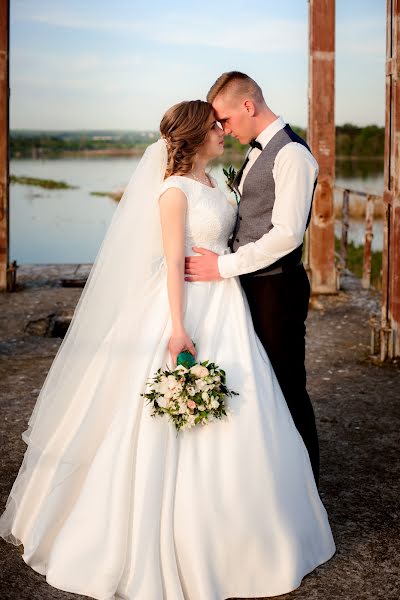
363 176
62 226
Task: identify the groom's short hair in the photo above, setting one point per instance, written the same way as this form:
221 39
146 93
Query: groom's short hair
236 84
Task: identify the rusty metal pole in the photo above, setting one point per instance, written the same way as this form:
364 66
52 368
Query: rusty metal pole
321 138
4 124
368 237
390 315
344 242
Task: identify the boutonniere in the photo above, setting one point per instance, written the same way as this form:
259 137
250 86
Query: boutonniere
230 175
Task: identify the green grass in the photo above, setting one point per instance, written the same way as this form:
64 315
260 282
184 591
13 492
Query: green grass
113 195
355 255
101 194
43 183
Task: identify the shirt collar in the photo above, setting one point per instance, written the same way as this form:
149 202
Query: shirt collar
268 133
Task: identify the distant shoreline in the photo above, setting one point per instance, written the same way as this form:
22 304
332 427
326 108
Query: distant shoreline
352 143
232 155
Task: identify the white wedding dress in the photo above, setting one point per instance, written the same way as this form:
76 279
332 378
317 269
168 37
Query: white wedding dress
220 511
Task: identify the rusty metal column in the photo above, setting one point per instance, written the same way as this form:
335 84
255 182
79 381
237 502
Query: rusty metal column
4 95
321 138
390 331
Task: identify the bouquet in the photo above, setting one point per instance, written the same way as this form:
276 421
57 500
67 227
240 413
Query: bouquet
191 394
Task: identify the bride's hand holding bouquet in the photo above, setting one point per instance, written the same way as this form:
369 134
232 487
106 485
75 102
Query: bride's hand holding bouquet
180 342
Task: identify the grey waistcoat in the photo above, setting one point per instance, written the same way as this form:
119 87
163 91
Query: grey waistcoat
257 201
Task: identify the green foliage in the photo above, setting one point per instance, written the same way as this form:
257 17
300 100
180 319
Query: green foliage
300 131
351 141
44 183
355 258
230 175
360 141
25 143
232 144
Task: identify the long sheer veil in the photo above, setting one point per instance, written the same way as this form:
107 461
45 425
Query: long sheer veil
122 275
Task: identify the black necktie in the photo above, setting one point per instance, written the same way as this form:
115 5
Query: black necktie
255 144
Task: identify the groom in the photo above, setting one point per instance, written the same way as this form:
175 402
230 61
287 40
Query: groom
276 185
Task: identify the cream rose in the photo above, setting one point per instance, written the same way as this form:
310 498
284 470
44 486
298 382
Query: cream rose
199 371
162 401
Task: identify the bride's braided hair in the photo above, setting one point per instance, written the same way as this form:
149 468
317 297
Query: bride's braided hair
184 127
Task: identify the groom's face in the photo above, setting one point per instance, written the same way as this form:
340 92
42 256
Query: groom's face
235 118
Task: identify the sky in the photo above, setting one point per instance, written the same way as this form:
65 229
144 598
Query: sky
120 65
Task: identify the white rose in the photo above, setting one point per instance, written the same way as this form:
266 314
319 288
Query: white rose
172 382
182 369
200 384
163 387
177 392
214 403
204 396
163 402
191 390
199 371
201 407
190 420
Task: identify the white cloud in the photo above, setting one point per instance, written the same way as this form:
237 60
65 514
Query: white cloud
252 36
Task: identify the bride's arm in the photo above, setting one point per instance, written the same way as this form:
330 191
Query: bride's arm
173 206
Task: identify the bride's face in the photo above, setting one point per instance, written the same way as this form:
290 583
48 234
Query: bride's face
214 142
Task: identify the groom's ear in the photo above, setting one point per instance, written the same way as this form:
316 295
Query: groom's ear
249 107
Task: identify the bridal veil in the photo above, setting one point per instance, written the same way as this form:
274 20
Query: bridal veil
121 277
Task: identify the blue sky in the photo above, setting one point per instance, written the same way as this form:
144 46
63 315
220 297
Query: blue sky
119 65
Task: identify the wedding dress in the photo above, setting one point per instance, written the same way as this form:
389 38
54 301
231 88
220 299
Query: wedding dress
123 508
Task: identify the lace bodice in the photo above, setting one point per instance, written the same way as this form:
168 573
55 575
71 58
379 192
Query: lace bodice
210 217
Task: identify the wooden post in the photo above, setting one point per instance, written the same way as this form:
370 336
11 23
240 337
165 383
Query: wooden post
390 314
321 138
4 95
369 234
344 243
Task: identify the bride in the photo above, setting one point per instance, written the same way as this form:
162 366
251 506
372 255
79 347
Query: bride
110 502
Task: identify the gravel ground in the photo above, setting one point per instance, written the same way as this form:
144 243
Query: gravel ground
357 408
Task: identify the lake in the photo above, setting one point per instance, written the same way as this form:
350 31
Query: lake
67 226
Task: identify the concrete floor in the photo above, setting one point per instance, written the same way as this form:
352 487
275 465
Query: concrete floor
357 406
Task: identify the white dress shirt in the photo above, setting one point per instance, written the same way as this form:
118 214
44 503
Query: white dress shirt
294 172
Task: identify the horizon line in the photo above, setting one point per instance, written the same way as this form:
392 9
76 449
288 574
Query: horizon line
156 131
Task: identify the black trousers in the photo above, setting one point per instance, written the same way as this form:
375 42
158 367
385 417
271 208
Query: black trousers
279 307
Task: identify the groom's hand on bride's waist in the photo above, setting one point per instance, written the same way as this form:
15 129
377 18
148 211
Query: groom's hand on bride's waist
202 268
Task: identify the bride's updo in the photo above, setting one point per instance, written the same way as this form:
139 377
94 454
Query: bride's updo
184 127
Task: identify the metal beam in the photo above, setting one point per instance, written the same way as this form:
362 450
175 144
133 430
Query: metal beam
390 315
4 124
321 138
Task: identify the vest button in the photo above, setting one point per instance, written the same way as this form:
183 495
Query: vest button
237 239
240 218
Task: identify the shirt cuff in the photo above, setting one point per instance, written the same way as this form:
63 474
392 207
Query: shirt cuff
227 265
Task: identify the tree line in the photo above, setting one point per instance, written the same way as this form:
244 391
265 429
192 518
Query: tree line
351 141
